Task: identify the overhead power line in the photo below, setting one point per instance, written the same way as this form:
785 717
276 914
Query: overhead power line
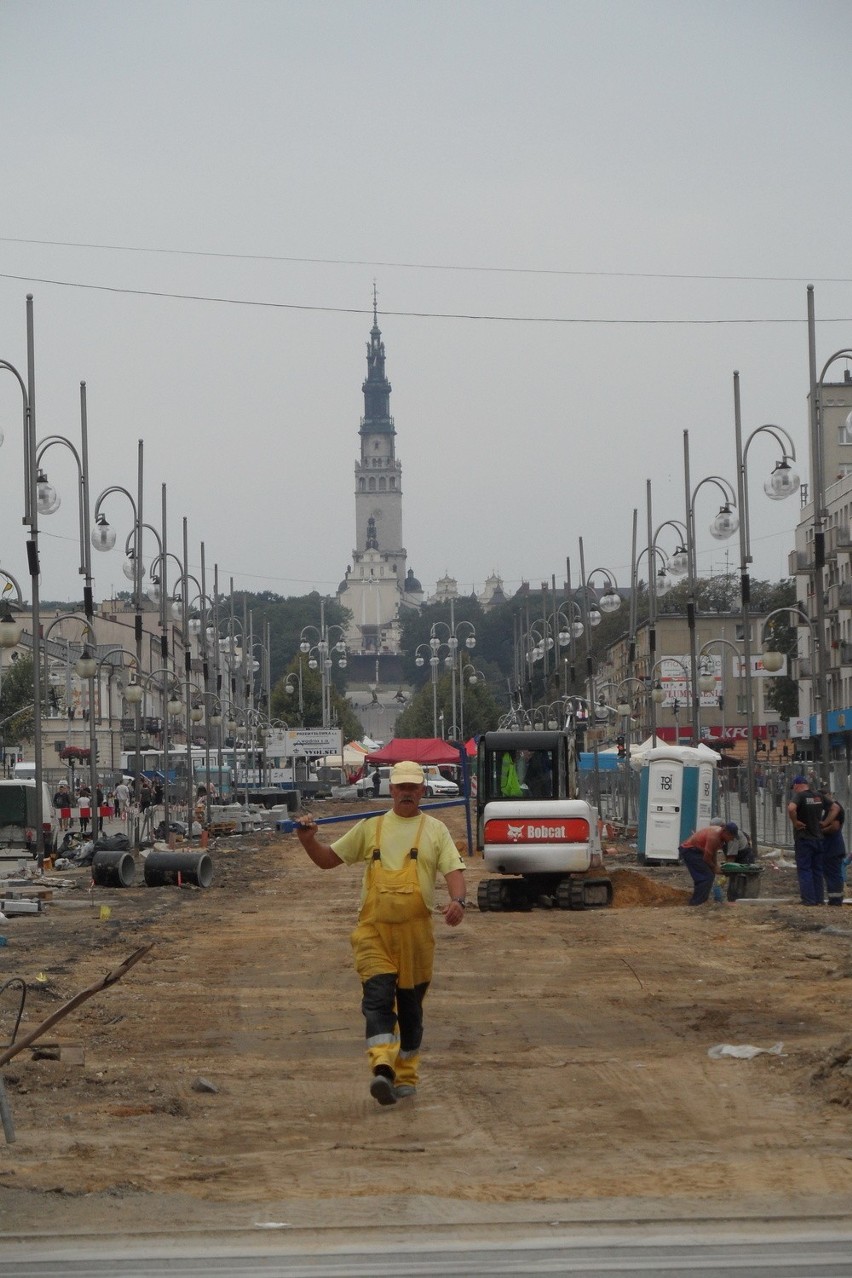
360 310
434 266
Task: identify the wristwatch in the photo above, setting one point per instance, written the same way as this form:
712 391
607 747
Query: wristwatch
459 900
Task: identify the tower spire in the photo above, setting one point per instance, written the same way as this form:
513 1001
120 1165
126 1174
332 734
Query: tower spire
376 387
377 586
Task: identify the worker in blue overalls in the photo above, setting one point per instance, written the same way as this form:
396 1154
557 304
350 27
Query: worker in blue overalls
805 810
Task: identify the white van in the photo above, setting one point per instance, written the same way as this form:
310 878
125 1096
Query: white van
18 817
436 785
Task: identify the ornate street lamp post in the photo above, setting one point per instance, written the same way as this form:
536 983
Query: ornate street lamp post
103 538
453 630
783 482
608 600
661 574
27 389
325 645
289 688
723 526
48 503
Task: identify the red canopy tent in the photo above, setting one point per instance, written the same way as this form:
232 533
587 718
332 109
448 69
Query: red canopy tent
418 749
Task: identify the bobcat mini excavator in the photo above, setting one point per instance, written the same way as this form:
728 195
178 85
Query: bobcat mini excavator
535 834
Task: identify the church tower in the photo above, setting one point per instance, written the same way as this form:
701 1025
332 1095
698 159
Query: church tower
377 585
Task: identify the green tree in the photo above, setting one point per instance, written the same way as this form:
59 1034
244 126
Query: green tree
499 636
718 594
481 710
418 717
305 711
16 700
287 619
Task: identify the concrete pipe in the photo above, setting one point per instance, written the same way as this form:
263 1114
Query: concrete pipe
113 869
165 868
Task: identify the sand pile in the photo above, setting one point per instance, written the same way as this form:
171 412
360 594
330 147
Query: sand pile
631 888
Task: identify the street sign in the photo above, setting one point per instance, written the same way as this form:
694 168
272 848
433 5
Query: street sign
313 743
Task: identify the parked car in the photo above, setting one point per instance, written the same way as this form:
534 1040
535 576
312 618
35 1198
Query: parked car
345 791
18 817
435 784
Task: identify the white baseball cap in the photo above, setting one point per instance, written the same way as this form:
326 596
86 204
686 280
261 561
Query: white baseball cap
406 773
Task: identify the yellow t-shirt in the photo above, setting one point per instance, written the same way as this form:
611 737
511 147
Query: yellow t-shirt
436 850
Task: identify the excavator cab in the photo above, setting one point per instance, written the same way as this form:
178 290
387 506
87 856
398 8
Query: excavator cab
523 766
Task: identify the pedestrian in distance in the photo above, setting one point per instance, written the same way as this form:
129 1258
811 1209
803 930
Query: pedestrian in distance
702 854
833 847
805 811
84 801
61 800
403 851
377 783
122 799
146 796
200 810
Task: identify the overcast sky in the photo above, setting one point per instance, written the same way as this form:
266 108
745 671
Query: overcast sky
581 218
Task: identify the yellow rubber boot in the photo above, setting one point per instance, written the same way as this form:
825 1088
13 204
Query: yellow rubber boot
383 1054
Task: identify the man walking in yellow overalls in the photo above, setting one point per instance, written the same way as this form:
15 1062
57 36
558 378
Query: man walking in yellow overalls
393 943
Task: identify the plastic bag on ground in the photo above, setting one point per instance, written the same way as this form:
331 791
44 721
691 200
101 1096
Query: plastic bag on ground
743 1051
86 854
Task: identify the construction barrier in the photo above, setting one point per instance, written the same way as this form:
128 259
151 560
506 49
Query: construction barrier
84 814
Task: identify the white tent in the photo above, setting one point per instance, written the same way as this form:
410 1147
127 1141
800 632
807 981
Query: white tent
353 757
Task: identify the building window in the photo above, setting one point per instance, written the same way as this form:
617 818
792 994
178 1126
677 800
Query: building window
382 484
393 483
362 485
372 484
844 433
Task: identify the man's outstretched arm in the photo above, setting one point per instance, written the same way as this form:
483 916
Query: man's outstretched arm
322 854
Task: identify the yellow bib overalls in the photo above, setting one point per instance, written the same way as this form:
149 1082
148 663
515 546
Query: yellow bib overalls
394 948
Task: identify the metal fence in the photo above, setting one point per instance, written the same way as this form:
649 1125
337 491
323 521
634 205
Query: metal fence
619 791
772 794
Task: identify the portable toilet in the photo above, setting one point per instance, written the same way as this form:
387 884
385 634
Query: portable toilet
677 794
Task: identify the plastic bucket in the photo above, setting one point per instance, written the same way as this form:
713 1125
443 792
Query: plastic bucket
163 868
744 884
113 869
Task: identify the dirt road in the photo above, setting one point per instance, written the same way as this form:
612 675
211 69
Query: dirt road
566 1071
